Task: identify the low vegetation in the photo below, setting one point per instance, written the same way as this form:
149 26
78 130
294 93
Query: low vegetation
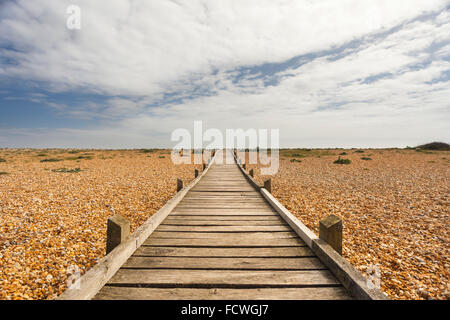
51 160
147 150
65 170
80 158
342 161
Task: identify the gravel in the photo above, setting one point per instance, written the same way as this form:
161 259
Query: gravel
51 221
395 212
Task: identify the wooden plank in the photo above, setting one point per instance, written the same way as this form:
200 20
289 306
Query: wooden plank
224 252
221 278
226 211
228 228
244 223
252 193
244 263
221 213
224 235
130 293
240 200
290 242
237 206
224 218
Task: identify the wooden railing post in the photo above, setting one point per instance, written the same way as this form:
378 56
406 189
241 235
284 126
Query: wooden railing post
179 185
117 231
330 231
204 167
268 185
251 173
244 166
196 173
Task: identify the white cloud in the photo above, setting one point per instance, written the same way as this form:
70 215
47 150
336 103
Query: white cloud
140 50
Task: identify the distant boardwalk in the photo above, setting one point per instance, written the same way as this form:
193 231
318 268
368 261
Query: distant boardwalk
223 241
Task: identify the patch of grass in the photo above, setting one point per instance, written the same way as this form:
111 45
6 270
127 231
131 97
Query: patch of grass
343 153
41 155
359 151
73 151
2 160
80 158
162 157
147 150
65 170
366 169
51 160
296 160
342 161
3 173
366 158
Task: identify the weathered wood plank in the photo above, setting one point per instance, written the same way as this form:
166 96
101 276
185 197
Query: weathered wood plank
225 218
129 293
236 206
230 229
290 242
224 252
244 263
202 224
221 278
222 201
221 213
242 236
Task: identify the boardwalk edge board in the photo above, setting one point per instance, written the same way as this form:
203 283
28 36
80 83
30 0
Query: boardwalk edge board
349 277
97 276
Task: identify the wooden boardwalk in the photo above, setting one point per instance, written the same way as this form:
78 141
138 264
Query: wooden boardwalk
223 241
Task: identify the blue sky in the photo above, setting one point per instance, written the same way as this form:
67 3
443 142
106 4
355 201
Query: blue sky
330 74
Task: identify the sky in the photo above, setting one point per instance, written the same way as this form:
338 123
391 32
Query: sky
348 73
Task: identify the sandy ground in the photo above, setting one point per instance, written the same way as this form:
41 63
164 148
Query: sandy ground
51 221
395 209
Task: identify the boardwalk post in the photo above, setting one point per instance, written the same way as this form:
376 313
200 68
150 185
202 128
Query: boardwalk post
330 231
244 166
268 185
196 173
117 231
179 185
251 173
204 167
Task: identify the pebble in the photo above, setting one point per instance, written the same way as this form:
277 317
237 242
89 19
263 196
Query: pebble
66 213
394 212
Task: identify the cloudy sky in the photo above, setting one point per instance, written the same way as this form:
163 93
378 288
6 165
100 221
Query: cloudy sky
348 73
